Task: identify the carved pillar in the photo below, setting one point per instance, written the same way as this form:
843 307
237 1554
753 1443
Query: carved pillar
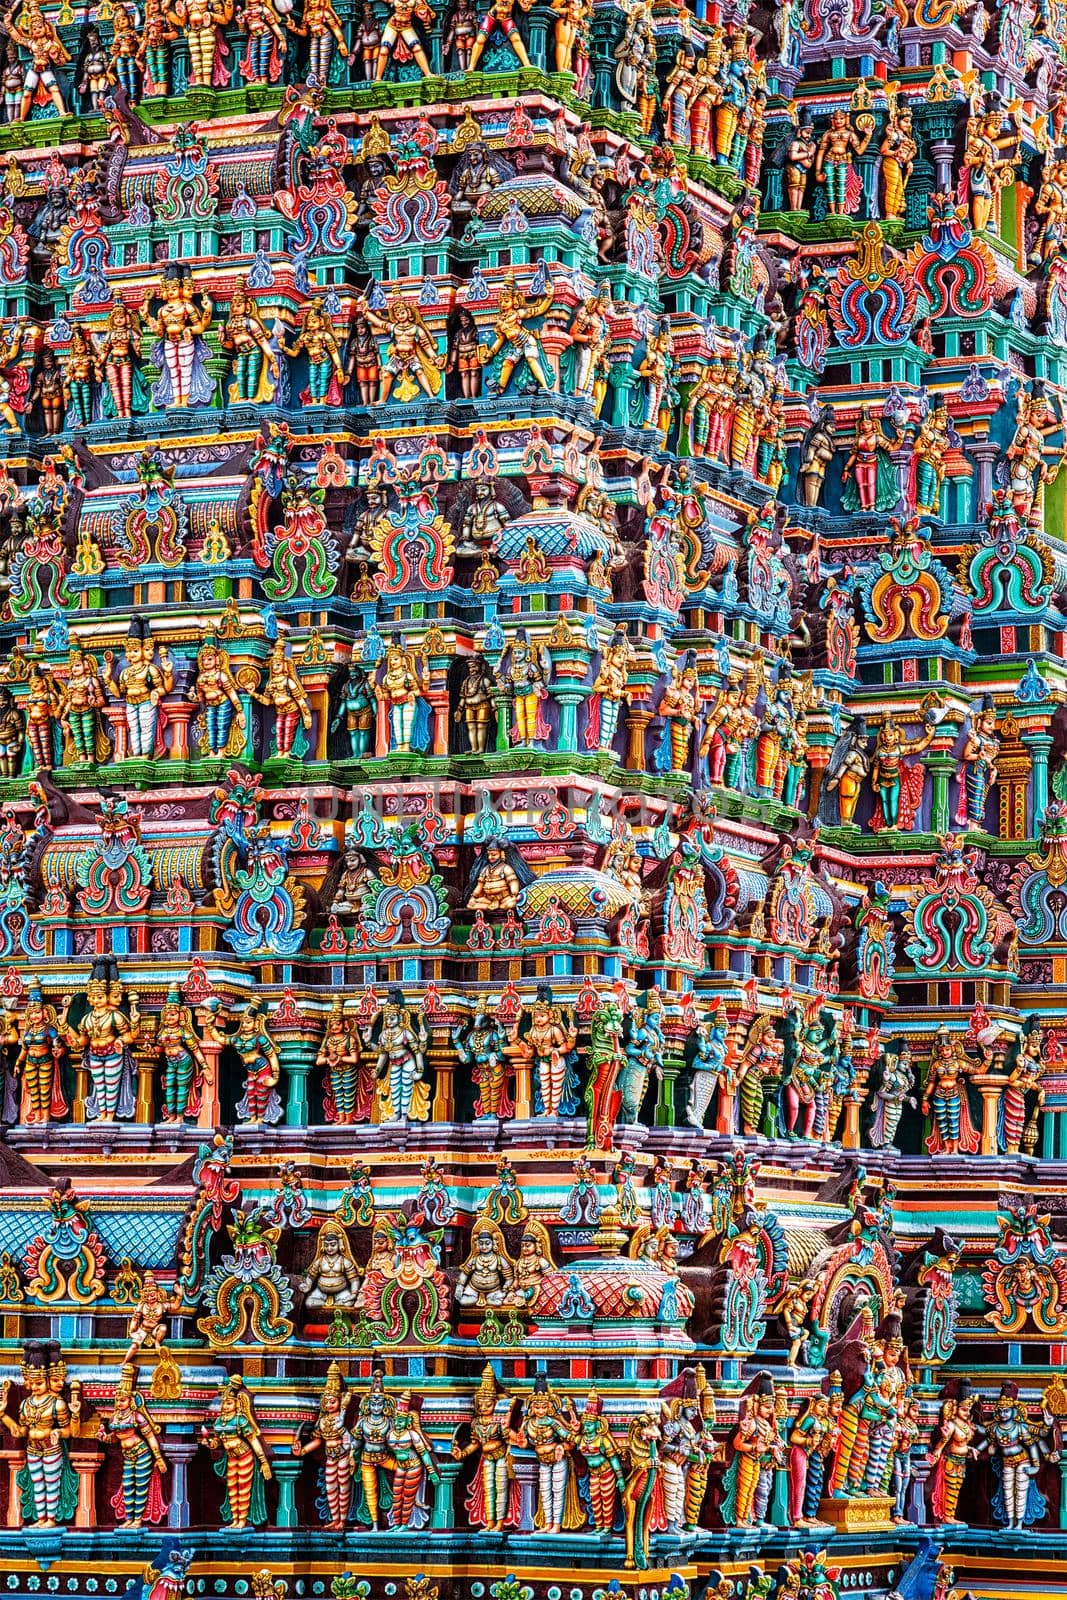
179 1453
286 1470
297 1037
989 1086
525 1463
85 1459
1040 748
443 1513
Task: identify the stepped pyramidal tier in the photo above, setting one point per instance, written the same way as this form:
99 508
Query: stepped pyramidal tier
533 799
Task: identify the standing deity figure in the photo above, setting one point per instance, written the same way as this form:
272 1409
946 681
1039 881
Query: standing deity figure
413 1464
799 160
897 783
41 1049
848 766
481 1046
898 151
869 477
549 1429
929 449
399 685
1014 1444
214 690
990 154
243 1463
266 44
907 1431
43 706
316 337
492 1501
79 711
517 342
500 14
1028 470
809 1438
260 1102
945 1098
347 1097
401 1039
125 44
104 1037
400 28
978 767
181 352
201 21
833 162
47 1483
678 706
141 684
79 371
596 1445
475 703
709 1065
549 1045
158 31
140 1496
324 30
355 709
1026 1077
38 37
960 1440
184 1066
525 668
591 340
255 364
119 352
330 1434
897 1082
371 1447
283 693
758 1451
412 360
610 689
642 1450
645 1049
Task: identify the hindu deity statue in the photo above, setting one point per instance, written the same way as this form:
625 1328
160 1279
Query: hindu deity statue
41 1048
548 1042
260 1102
490 1502
868 475
184 1066
180 324
678 706
978 766
79 711
413 1463
898 783
1016 1445
481 1046
46 1420
243 1463
809 1440
893 1092
400 1039
330 1434
497 878
349 1092
214 689
255 363
283 693
898 151
525 669
958 1443
945 1097
140 1497
370 1435
834 164
550 1427
332 1278
474 709
642 1451
1025 1078
610 688
758 1451
104 1038
399 685
709 1063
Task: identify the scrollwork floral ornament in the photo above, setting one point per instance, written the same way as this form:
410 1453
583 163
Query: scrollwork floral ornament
248 1293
